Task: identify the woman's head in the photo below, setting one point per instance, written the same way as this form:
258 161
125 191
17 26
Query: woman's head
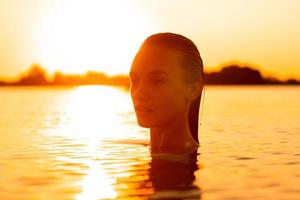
166 81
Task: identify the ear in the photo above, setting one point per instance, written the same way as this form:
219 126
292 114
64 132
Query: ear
194 90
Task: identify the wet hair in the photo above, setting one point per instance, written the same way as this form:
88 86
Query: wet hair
191 63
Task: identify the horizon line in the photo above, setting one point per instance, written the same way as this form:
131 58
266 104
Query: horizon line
207 71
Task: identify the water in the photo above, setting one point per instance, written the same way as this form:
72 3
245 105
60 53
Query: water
84 143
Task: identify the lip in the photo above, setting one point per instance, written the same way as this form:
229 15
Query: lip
143 113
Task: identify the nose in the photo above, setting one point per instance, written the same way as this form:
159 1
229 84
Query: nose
140 92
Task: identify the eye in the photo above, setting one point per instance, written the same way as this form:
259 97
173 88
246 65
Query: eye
158 81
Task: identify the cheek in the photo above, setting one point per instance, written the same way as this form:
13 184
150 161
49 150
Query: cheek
169 102
132 91
171 105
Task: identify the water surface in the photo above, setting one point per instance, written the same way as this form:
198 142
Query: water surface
84 143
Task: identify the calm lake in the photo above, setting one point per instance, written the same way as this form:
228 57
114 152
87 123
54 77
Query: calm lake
84 143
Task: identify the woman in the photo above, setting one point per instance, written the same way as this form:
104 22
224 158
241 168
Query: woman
166 79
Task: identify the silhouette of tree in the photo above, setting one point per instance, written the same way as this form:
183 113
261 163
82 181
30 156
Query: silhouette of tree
36 75
292 82
67 79
2 83
96 78
234 74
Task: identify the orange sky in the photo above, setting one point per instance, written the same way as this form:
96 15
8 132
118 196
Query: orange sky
75 36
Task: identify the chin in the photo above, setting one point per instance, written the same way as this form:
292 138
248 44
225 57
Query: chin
144 124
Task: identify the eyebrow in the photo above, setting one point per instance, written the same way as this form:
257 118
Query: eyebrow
158 72
152 73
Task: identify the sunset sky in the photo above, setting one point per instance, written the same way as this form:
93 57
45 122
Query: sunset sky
75 36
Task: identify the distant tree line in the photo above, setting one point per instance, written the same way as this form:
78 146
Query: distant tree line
37 75
228 75
238 75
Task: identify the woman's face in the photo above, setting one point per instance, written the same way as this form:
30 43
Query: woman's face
157 88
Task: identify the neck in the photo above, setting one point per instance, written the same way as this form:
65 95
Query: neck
175 136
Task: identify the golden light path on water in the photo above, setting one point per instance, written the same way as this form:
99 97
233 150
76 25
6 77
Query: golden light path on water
92 188
95 112
98 115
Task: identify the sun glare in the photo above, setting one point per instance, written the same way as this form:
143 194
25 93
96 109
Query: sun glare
96 184
95 114
76 36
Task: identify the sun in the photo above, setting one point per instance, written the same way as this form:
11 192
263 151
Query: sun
77 36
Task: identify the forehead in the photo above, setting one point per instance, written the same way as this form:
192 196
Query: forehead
155 59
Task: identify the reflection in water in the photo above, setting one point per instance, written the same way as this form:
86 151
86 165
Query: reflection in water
96 184
118 170
164 176
172 176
